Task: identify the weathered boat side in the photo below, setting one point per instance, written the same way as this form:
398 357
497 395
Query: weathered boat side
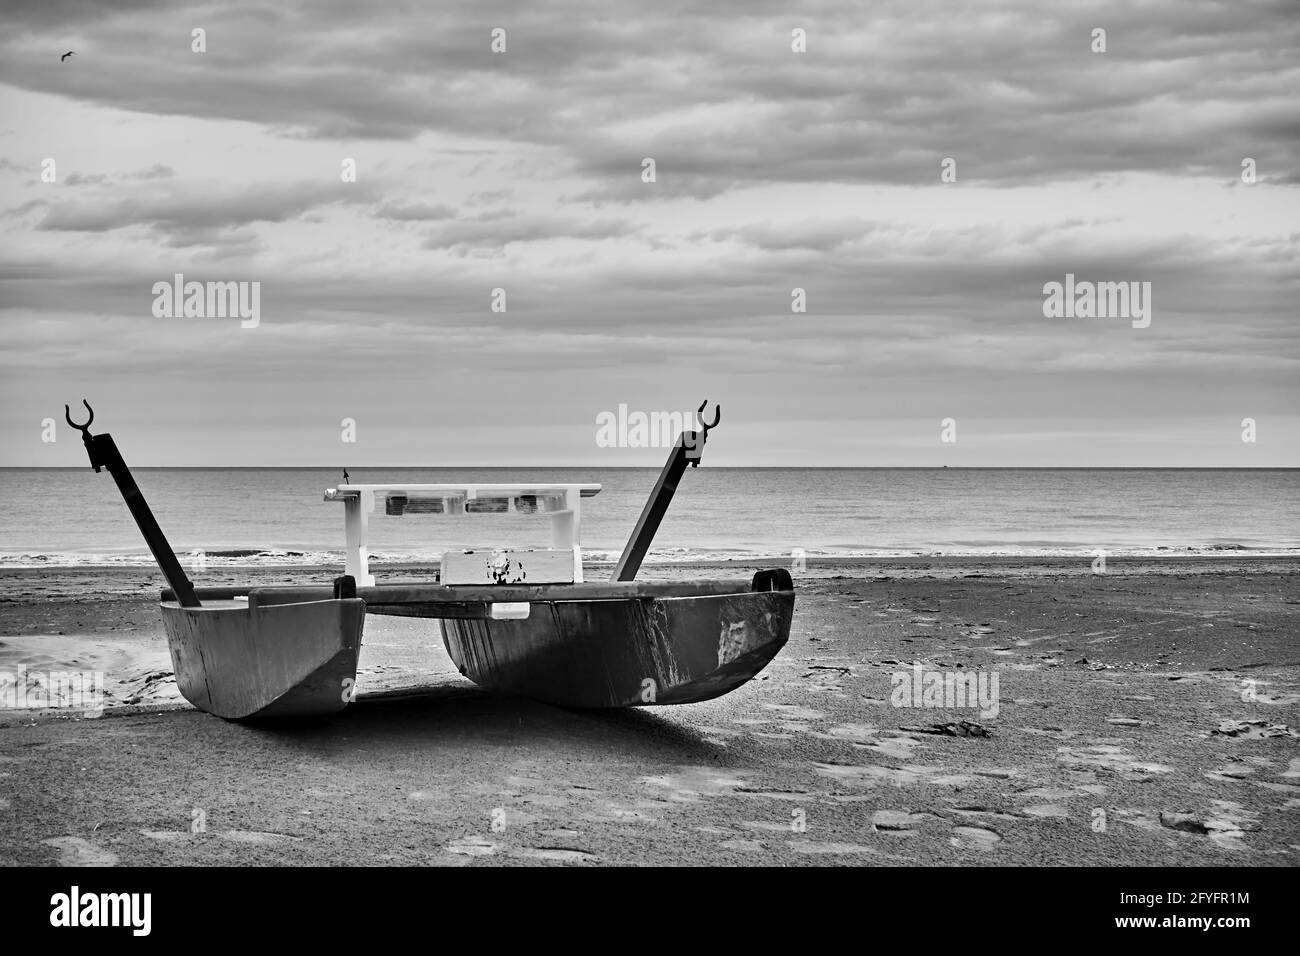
625 652
239 661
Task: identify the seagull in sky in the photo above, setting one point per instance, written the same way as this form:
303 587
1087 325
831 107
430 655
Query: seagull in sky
66 55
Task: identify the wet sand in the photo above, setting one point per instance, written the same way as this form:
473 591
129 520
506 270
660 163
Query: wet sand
1145 716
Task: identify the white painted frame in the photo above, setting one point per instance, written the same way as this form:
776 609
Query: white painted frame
359 503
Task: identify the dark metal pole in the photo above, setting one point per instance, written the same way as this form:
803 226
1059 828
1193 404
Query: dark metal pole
687 451
104 454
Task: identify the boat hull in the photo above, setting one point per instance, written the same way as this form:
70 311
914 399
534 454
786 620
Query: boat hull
243 660
625 652
288 651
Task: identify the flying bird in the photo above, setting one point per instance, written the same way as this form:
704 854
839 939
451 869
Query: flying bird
66 55
346 480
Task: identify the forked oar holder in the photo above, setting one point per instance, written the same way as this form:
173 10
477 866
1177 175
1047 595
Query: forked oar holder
104 454
687 451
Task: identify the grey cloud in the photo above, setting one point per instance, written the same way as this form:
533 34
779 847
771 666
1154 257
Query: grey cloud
891 312
156 171
821 235
495 230
1013 93
198 205
229 241
413 211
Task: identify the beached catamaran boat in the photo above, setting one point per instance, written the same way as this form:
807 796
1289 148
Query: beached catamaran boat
521 622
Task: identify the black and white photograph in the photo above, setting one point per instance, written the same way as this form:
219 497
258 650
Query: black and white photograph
584 436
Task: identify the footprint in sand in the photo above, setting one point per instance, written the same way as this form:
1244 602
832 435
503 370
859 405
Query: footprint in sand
1031 641
897 822
516 817
974 838
747 846
561 834
551 801
795 795
1260 696
1225 824
895 744
257 837
997 773
1108 756
472 846
839 849
74 851
978 811
689 784
559 854
1232 772
1048 793
855 733
767 826
1289 788
1252 730
800 846
872 775
1136 818
610 812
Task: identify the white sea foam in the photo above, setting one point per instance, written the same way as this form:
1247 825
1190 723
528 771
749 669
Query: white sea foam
315 559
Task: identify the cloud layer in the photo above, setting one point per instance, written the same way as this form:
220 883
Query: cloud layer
775 170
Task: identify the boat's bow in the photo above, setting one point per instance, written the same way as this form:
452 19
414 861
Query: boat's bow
657 644
240 659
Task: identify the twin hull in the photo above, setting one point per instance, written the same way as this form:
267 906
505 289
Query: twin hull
580 646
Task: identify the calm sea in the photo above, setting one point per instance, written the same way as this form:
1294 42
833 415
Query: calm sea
59 517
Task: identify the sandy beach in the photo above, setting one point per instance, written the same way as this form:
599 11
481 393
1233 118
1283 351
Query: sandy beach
1145 716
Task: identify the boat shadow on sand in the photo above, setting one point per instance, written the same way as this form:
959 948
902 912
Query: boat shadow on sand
455 714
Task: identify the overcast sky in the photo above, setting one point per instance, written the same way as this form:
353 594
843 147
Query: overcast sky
775 169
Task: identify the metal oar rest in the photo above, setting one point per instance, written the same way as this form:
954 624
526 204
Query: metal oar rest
104 454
